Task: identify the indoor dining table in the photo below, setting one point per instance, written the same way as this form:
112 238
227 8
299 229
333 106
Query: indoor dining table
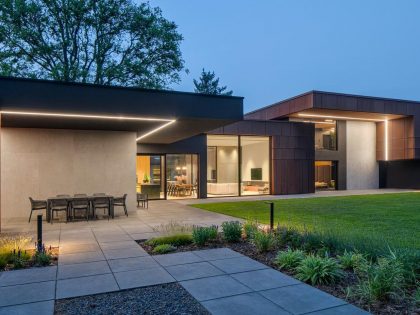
90 198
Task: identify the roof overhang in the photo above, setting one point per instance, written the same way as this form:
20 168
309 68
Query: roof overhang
156 116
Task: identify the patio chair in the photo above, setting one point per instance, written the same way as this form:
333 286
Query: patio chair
99 194
80 195
81 203
144 200
57 205
37 205
120 202
99 202
63 196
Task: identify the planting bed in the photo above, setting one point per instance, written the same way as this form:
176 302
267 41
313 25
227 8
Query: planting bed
399 305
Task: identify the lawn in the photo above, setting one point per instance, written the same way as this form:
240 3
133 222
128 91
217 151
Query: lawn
380 220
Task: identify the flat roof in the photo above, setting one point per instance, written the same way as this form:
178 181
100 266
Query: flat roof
29 103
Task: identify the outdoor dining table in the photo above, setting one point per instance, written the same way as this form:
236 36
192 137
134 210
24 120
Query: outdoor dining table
90 198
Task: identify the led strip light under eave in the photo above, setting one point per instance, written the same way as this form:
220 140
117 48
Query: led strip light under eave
338 117
167 122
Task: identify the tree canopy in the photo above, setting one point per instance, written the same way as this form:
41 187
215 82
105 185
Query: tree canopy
111 42
209 84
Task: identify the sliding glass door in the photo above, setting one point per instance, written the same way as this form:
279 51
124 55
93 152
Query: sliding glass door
181 176
150 176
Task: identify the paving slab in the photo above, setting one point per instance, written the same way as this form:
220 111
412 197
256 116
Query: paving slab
118 245
193 271
217 253
341 310
27 293
44 308
265 279
214 287
243 304
83 269
78 248
86 286
77 258
134 263
143 236
113 238
301 298
239 264
142 278
177 259
124 253
30 275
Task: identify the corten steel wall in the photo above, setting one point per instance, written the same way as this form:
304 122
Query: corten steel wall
193 145
292 152
401 139
41 163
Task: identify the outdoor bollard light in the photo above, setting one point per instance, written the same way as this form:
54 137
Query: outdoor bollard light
39 236
271 214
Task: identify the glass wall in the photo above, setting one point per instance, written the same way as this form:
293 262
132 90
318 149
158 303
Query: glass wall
237 165
325 175
149 174
222 166
181 176
325 135
255 165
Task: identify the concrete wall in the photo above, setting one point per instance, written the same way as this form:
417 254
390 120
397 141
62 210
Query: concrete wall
362 167
45 162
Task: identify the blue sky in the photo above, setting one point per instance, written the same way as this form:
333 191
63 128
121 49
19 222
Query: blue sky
269 50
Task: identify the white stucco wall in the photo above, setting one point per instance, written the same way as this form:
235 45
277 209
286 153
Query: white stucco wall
43 162
362 167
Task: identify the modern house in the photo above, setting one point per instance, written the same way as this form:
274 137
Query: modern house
80 138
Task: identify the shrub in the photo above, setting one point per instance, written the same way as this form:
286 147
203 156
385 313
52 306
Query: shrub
383 280
232 231
410 263
289 237
14 242
353 261
18 258
175 240
173 228
263 241
203 234
164 248
318 270
289 259
250 228
417 296
3 262
42 258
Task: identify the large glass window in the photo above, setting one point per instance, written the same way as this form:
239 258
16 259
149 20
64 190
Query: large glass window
181 176
150 180
326 175
222 166
255 165
326 135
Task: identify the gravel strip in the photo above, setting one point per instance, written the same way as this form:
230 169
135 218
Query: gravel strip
159 299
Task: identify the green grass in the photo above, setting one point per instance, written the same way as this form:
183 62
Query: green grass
383 219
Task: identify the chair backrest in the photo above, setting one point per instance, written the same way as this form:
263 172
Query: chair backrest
100 201
80 201
99 194
80 195
63 195
58 202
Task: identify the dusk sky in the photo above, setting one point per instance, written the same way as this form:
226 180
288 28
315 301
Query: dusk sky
270 50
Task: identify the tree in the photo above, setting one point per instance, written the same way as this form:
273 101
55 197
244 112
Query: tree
209 84
111 42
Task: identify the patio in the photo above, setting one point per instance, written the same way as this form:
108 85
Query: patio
102 256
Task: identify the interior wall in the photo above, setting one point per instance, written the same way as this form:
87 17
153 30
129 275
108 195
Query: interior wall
227 164
43 162
256 155
142 168
362 166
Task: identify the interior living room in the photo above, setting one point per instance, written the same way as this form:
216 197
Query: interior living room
238 165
